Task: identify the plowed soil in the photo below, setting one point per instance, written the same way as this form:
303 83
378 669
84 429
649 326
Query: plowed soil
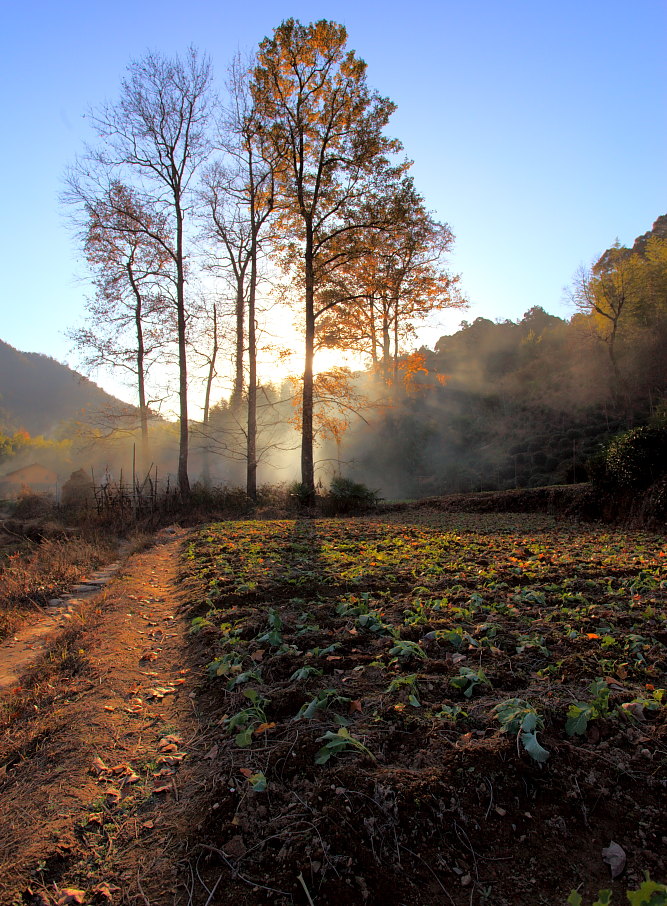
306 712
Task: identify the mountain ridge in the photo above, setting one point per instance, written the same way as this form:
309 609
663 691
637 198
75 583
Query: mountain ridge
38 394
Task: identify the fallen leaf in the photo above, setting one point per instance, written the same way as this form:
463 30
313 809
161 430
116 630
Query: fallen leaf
148 825
246 772
634 708
163 788
263 728
176 758
614 856
212 753
70 896
130 778
257 655
355 705
109 707
98 767
171 740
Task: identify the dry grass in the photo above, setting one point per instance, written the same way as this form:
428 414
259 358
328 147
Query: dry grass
29 577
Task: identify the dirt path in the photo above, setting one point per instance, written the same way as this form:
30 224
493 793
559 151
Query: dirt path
97 786
30 642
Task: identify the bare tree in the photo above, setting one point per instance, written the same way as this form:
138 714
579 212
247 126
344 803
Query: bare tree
240 197
157 137
129 315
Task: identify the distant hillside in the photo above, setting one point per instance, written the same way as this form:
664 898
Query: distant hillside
38 393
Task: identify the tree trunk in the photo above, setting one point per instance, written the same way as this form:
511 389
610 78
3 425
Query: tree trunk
386 350
307 463
183 480
206 465
251 451
237 392
395 380
141 377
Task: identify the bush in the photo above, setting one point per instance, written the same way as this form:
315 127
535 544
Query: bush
347 496
635 459
33 506
298 493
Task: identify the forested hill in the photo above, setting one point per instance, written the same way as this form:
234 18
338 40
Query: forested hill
38 394
508 404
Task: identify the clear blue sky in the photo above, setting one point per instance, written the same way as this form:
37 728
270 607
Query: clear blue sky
538 130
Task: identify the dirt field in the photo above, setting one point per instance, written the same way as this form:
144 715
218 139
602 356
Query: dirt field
427 708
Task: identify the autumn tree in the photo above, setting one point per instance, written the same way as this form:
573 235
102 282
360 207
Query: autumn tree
397 279
156 137
126 246
624 295
325 127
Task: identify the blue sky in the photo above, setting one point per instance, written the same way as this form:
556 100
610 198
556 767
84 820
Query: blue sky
538 131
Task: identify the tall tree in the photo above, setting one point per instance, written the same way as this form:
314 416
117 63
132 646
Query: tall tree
129 314
326 130
158 131
240 195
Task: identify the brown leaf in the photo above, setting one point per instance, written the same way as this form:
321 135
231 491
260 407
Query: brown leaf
98 767
163 788
614 856
263 728
634 708
355 705
130 778
212 753
176 758
258 655
70 896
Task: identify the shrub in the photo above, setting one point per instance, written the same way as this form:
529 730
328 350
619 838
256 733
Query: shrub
347 496
635 459
33 506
